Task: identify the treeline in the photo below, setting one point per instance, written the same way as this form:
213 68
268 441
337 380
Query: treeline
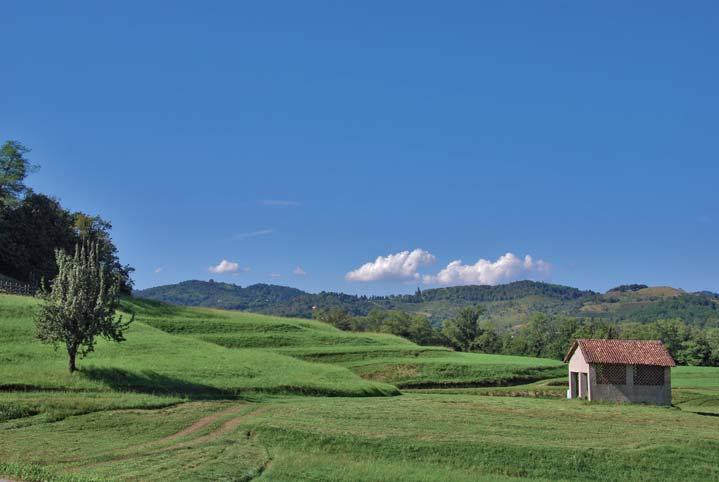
509 291
416 328
628 288
33 226
551 337
543 336
701 309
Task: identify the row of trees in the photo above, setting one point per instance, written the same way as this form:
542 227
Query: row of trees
550 337
542 336
416 328
33 226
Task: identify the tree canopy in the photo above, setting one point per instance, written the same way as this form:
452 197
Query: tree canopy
33 226
14 168
81 304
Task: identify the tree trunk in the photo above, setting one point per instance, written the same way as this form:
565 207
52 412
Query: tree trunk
72 354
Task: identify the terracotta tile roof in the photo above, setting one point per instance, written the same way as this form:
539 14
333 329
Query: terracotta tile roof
623 352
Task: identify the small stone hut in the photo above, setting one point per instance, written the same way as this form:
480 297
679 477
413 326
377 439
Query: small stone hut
620 371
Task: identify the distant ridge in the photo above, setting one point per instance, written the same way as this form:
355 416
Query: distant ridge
506 305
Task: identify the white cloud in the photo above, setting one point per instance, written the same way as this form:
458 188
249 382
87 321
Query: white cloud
399 266
275 275
299 271
254 234
224 267
158 269
279 202
505 269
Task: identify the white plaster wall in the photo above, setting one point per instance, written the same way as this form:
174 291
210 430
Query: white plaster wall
577 362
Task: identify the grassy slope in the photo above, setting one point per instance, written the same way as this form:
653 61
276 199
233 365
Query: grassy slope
153 361
374 356
91 427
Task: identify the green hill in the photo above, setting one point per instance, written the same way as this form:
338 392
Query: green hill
225 353
156 362
506 305
222 295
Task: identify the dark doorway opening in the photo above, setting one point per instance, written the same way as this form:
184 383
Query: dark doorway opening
574 385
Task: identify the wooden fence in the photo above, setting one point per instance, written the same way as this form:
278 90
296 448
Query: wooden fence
12 288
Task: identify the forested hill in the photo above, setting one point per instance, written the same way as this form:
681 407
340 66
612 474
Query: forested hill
257 297
508 304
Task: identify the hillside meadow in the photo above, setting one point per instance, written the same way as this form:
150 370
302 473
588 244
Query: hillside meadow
204 394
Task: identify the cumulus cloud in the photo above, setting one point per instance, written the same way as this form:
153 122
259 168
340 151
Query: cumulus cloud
505 269
399 266
158 269
406 266
299 271
224 266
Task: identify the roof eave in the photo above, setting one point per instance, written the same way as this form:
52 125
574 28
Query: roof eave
571 351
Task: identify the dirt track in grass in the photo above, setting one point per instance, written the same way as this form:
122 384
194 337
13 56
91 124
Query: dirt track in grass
201 423
226 428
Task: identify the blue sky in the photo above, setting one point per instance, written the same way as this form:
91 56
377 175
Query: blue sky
326 134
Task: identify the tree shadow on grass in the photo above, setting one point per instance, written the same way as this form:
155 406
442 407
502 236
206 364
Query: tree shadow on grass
153 383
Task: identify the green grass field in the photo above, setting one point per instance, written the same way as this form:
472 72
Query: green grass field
155 362
199 394
373 356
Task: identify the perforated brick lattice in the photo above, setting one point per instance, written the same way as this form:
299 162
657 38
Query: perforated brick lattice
648 375
611 374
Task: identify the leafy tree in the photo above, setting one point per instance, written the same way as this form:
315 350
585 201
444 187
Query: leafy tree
639 331
564 334
488 341
463 329
397 323
34 230
421 331
33 226
539 333
337 317
14 168
416 328
712 336
374 320
673 333
695 350
97 230
81 304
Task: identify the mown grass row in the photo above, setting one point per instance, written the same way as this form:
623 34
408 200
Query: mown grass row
152 361
421 437
374 356
494 437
